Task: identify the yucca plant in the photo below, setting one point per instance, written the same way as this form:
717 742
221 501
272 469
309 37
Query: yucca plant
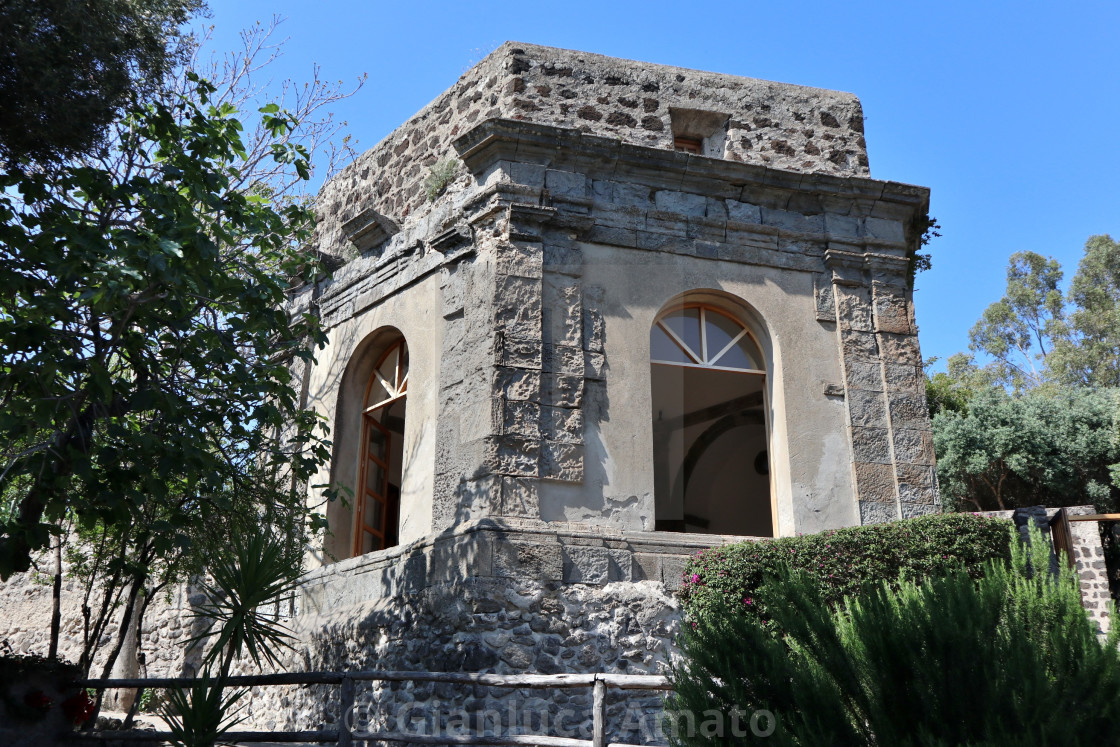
200 715
1009 658
255 571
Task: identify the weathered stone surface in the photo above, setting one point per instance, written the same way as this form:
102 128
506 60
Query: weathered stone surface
563 424
905 378
513 455
566 183
519 353
518 311
875 483
526 560
680 202
520 418
823 298
563 390
859 346
917 483
865 375
874 512
562 461
913 446
519 259
914 510
853 308
908 409
565 359
900 349
892 310
888 230
871 445
517 383
492 89
867 408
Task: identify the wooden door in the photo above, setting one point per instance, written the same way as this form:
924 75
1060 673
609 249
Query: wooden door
371 514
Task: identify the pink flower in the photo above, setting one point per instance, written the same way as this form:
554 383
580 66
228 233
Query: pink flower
695 578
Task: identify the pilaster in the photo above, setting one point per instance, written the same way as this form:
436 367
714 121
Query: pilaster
892 445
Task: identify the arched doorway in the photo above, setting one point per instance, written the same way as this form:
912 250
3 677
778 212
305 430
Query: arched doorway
710 432
381 458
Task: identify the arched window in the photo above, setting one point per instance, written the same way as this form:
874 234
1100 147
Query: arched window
377 500
711 464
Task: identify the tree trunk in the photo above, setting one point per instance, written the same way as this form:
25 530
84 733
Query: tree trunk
56 600
127 665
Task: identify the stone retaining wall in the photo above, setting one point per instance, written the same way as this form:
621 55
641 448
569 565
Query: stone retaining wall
25 622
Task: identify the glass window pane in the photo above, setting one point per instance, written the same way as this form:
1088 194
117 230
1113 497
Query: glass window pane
404 364
744 354
388 368
685 324
375 478
376 443
720 330
377 392
663 348
373 513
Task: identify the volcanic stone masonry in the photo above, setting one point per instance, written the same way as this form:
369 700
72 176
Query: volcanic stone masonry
524 235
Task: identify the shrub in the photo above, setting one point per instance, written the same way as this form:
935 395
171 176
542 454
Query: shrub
441 174
1010 658
840 562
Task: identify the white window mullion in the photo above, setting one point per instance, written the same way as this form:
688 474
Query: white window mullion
704 335
683 345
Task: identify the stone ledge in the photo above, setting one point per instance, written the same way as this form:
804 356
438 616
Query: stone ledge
508 548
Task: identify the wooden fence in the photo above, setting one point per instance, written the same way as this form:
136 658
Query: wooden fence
344 737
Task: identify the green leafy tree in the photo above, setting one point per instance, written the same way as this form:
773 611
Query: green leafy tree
952 389
1018 330
146 349
69 67
1010 658
1050 447
1088 352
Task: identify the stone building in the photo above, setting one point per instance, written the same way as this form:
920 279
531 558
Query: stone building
582 293
591 316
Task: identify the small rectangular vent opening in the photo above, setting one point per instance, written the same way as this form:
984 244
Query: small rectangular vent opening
698 131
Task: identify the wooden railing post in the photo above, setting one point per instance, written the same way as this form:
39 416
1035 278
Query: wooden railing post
346 717
599 724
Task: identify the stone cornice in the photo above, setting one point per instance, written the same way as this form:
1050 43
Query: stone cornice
510 140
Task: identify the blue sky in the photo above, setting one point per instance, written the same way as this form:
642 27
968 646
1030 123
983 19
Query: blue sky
1008 111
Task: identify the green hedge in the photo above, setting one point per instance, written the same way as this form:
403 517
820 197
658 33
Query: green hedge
841 561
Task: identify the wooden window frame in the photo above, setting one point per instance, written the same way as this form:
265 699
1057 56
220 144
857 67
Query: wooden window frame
688 145
397 391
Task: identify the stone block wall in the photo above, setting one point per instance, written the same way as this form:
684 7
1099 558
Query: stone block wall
496 597
892 440
795 128
525 364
